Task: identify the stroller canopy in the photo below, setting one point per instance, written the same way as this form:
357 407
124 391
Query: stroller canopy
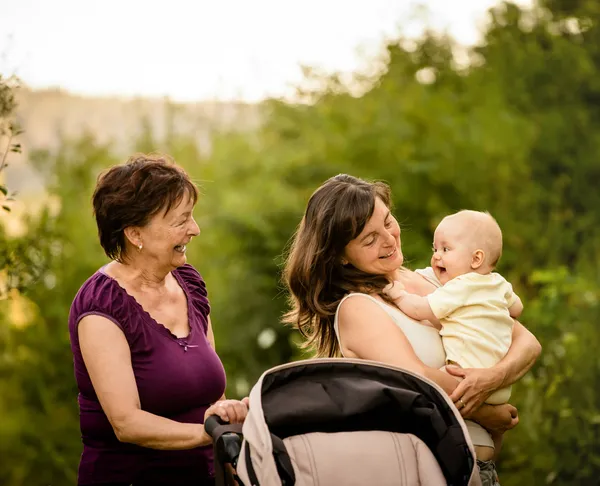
345 395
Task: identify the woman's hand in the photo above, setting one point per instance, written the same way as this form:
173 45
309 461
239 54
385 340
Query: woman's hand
230 411
496 418
477 385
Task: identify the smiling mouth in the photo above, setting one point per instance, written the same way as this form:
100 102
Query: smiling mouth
181 248
389 254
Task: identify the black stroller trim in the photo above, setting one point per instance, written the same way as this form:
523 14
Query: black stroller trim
282 461
335 396
227 442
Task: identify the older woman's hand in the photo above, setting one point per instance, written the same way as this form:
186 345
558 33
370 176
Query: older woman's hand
477 385
231 411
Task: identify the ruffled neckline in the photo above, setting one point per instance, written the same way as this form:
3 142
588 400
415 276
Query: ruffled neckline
148 317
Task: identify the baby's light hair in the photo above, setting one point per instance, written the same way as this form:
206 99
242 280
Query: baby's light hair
487 234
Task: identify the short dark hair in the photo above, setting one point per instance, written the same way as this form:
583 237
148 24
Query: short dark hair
336 213
130 194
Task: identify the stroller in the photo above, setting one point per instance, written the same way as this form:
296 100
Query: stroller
345 422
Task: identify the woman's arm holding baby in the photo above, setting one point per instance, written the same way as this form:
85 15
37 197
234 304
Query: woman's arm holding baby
496 418
479 383
383 341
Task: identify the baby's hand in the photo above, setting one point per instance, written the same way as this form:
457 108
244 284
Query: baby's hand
395 290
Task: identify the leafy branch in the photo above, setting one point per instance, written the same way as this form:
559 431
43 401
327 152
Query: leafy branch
9 130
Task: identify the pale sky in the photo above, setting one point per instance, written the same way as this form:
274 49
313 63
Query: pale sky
200 49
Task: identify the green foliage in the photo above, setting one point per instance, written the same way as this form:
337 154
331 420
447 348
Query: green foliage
16 267
557 439
39 393
513 133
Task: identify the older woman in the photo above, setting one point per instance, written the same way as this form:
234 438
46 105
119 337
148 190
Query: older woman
142 339
346 251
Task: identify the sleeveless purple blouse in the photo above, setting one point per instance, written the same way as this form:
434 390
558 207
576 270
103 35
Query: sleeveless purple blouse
177 378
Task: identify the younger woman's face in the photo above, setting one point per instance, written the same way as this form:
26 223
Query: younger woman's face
377 250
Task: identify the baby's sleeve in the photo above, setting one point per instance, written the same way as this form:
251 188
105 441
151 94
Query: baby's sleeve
429 275
445 300
510 295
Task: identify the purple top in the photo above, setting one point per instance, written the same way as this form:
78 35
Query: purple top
176 378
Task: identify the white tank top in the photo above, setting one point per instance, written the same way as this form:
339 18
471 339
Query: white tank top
425 340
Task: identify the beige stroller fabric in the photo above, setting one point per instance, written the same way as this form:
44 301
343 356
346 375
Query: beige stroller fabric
344 458
363 458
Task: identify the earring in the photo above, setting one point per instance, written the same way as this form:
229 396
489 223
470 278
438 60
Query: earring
140 247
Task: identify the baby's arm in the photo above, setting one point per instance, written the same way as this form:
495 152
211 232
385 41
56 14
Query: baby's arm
412 305
416 307
515 306
516 309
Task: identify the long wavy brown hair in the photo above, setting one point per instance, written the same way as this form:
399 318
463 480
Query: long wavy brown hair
317 281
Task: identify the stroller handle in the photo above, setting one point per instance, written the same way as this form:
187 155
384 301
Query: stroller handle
227 440
212 422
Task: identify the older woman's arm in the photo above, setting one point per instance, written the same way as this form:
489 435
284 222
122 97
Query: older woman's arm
478 384
368 332
108 360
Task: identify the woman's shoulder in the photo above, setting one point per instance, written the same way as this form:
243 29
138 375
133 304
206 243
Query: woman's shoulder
188 271
357 306
191 276
95 287
99 294
364 306
358 299
195 285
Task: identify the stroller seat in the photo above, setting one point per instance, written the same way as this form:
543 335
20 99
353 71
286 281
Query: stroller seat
365 457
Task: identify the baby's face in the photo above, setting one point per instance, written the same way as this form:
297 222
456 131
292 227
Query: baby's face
452 250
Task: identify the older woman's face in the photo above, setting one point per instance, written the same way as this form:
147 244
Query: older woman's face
377 250
165 237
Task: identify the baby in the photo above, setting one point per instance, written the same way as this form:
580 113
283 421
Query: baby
474 306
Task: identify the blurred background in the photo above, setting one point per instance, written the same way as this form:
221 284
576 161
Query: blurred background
463 104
